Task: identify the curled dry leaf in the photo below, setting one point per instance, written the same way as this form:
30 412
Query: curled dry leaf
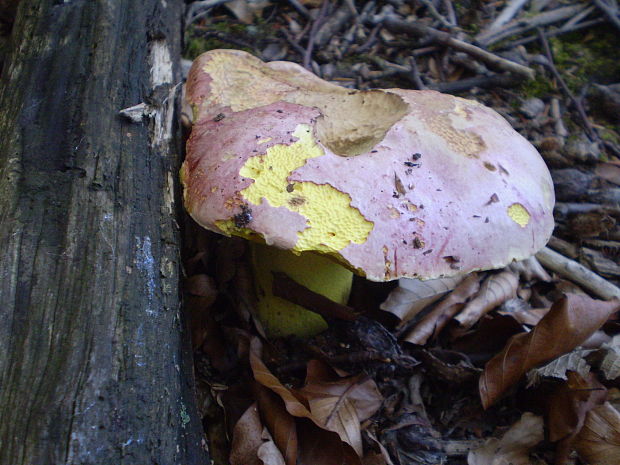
568 408
569 323
514 447
598 442
570 404
610 366
559 368
315 445
413 295
279 422
439 317
247 438
268 452
340 404
497 289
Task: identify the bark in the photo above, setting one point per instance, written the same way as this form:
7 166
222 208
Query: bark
94 367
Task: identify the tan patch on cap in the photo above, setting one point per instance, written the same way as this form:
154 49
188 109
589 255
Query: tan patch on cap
461 141
352 122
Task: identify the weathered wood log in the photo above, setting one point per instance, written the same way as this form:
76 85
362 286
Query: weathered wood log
94 364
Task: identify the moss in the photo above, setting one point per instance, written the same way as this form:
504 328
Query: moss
537 88
582 59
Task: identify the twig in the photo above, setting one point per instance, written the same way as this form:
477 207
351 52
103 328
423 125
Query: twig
573 271
520 26
610 11
557 32
493 61
435 14
312 37
293 43
511 9
494 80
447 4
287 288
592 134
556 113
197 10
415 74
333 24
300 8
577 18
370 40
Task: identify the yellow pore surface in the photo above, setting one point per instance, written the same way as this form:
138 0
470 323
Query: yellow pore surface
519 214
332 223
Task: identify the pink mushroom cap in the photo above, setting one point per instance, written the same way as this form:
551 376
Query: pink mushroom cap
391 183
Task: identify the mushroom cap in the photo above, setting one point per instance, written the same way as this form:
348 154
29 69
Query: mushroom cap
391 183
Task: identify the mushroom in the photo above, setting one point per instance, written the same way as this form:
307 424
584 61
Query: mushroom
387 183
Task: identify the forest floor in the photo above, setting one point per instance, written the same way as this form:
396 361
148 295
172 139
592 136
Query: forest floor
534 375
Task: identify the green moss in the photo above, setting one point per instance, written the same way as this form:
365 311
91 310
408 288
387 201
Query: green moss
585 59
198 42
537 88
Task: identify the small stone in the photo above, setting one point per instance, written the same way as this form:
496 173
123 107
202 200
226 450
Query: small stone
532 107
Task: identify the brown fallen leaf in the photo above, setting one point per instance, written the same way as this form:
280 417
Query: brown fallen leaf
514 447
497 289
443 312
268 452
279 422
598 442
319 447
252 444
340 403
414 295
247 438
568 408
315 445
569 323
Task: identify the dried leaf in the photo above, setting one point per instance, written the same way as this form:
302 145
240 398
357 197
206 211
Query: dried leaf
339 404
513 448
247 438
497 289
330 449
570 404
610 366
439 317
413 295
377 458
568 409
573 361
201 285
569 323
268 452
598 442
320 448
279 422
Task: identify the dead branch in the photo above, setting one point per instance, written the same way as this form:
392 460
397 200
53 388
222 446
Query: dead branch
522 25
493 61
509 12
577 273
611 11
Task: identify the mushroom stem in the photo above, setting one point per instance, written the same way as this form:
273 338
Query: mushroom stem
318 273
